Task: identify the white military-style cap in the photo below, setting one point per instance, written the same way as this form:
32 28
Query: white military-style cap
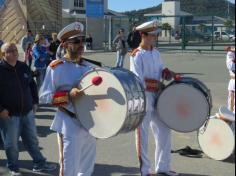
150 27
74 29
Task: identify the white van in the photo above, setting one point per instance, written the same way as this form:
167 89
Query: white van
223 35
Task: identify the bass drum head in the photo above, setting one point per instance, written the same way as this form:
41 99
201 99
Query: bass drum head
102 110
183 108
218 141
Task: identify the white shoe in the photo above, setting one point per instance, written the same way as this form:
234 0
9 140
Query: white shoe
15 173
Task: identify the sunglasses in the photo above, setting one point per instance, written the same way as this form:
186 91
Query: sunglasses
77 40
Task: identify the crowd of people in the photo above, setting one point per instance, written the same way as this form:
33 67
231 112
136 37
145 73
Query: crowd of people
62 57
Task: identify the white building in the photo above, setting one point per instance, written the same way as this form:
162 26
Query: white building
170 13
101 29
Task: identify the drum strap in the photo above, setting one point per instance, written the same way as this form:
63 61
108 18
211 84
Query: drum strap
64 110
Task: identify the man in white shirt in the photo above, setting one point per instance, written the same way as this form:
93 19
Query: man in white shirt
77 147
230 62
146 63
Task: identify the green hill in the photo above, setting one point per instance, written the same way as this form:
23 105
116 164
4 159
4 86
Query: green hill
197 7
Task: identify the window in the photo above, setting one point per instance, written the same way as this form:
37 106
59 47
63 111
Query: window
79 3
223 33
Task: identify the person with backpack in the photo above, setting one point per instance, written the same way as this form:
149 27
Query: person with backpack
134 39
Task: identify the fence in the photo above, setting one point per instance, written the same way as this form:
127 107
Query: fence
193 32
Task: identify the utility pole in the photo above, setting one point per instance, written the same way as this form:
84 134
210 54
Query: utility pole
228 9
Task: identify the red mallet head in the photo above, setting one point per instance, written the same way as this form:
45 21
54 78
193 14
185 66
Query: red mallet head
97 80
177 77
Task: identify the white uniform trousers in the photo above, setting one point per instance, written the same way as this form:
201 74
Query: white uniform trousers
162 136
77 154
231 99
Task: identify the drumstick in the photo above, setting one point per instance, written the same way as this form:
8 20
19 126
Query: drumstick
96 81
177 77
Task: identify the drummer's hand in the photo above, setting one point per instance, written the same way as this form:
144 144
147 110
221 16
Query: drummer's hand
160 86
168 74
75 92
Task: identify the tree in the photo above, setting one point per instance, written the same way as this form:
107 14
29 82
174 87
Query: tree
166 26
229 24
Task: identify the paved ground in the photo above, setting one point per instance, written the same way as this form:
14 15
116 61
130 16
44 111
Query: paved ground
117 156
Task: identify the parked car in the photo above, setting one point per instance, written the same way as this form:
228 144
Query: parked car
231 35
223 35
197 36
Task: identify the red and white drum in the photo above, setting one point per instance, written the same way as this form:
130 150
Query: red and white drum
184 105
217 139
116 106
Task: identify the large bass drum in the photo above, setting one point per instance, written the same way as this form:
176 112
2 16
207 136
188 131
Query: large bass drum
184 105
116 106
217 139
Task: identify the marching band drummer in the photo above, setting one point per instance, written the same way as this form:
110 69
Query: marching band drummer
77 147
230 62
146 63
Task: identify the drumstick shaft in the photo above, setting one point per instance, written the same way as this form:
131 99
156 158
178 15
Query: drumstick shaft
96 81
86 88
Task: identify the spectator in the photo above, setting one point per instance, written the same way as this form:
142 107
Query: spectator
29 55
177 35
121 49
89 42
40 56
55 43
1 43
18 103
29 38
134 39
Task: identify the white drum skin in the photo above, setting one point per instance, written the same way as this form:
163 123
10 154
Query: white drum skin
184 106
217 139
116 106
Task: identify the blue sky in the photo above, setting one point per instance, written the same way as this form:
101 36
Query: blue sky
126 5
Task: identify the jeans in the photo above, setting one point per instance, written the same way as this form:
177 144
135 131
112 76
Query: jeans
40 76
23 126
120 60
29 63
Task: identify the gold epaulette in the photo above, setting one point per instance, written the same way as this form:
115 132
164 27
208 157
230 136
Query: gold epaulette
55 63
134 52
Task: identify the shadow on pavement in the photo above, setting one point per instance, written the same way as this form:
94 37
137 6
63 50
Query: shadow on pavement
231 159
44 131
26 169
108 170
44 109
45 117
192 175
100 170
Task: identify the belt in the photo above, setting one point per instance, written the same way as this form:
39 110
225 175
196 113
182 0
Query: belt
153 85
232 77
71 114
